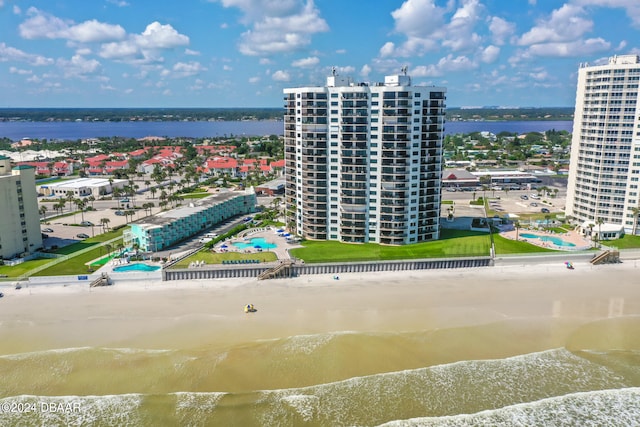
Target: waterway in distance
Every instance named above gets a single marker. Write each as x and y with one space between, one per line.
72 131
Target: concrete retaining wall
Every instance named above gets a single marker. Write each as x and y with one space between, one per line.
333 268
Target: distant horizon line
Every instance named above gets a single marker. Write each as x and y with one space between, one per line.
265 108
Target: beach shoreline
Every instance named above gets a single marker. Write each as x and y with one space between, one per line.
187 313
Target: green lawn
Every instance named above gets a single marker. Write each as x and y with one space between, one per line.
627 242
92 241
453 243
75 265
507 246
217 258
20 269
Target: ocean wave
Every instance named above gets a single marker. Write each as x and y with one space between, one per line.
461 387
120 409
614 408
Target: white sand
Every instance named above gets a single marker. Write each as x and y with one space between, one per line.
183 314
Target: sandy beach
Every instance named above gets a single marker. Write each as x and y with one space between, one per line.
168 315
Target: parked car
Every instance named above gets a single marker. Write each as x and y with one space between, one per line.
524 197
82 236
124 200
534 196
534 204
119 213
545 210
47 230
86 224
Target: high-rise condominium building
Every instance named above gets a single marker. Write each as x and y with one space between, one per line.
364 161
19 217
605 151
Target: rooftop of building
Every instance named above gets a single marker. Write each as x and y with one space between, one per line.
83 182
274 184
193 207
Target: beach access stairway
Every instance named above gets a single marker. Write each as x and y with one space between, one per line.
606 257
103 280
282 269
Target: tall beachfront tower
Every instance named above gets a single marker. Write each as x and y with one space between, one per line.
20 222
605 150
363 162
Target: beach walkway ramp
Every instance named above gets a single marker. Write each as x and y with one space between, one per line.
606 257
280 270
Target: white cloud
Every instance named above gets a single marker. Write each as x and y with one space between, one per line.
418 18
561 34
631 7
186 69
78 66
14 70
119 3
571 49
387 49
490 54
41 25
424 25
191 52
8 53
311 61
459 32
158 36
281 76
445 65
539 75
501 30
144 48
16 10
277 25
365 70
564 24
254 80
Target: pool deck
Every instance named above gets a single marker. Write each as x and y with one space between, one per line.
270 236
574 237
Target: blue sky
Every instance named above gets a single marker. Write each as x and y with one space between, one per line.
242 53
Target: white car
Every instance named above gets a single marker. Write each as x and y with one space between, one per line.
534 196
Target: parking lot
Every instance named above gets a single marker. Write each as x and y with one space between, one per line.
506 202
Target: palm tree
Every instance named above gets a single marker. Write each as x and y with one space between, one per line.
600 221
59 207
43 212
635 212
153 190
69 198
80 205
105 223
591 225
517 226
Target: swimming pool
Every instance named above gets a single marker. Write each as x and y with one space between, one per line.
256 241
555 240
136 267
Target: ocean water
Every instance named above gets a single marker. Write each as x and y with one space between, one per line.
79 130
494 374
